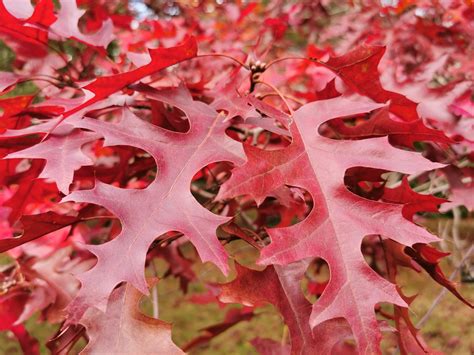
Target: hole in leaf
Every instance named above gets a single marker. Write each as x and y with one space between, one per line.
10 145
315 279
384 312
149 305
258 137
91 21
374 254
287 205
170 255
97 226
365 182
355 127
244 253
206 184
184 262
122 166
162 115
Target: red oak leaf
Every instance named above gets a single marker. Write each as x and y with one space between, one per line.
13 105
42 14
62 153
400 132
358 70
413 202
461 193
161 58
20 15
229 100
279 286
8 79
14 15
335 227
464 105
53 283
29 192
270 347
11 306
68 21
233 317
329 91
72 73
123 329
166 204
428 258
38 225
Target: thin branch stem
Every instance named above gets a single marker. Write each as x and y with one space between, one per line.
292 98
202 192
278 60
290 110
24 80
284 336
154 302
224 56
97 217
154 293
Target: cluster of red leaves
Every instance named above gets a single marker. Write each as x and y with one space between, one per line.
290 129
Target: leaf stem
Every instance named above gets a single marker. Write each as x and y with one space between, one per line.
292 98
290 110
224 56
278 60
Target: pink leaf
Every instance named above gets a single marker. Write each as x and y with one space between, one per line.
123 329
335 227
166 204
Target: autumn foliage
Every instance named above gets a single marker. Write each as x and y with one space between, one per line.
295 148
